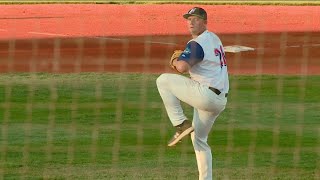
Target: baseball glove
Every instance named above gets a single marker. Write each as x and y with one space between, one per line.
174 56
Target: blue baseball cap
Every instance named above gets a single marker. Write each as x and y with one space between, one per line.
196 11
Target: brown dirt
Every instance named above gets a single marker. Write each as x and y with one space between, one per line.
141 38
296 53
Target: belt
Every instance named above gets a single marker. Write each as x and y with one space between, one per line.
217 91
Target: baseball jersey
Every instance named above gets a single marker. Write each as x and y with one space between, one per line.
207 59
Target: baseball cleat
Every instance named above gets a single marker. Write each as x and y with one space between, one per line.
182 130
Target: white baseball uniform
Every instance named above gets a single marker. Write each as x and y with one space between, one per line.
206 57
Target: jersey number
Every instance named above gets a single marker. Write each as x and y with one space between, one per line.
222 56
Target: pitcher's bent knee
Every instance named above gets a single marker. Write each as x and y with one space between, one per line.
162 79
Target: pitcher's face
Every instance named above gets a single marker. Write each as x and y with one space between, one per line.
196 25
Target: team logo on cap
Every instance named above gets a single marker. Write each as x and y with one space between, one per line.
192 10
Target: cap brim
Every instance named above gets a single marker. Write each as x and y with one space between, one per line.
188 15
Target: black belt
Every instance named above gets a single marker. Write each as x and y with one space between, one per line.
217 91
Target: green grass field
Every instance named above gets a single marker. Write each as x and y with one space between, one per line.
207 2
113 126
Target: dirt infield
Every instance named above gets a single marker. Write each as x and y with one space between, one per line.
141 38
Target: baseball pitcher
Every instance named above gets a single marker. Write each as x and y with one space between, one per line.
206 90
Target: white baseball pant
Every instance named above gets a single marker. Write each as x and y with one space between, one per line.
174 88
